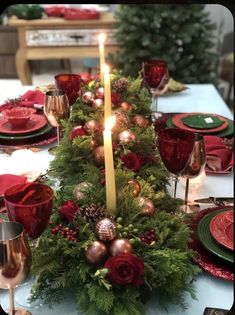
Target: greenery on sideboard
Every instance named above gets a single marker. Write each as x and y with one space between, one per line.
182 35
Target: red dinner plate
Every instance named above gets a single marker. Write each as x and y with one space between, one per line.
36 122
221 228
177 121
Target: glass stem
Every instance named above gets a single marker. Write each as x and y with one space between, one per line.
58 135
186 194
154 103
12 306
175 187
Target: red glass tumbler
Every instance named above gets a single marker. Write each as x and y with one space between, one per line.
70 84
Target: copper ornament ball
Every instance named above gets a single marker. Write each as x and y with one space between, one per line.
140 121
96 253
79 190
99 93
106 230
93 144
98 103
127 136
147 206
99 154
126 106
120 246
135 187
122 121
88 97
93 125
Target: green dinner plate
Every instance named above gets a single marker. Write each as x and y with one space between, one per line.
38 133
202 121
203 231
223 133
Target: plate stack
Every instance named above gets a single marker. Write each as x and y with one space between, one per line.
213 240
204 123
21 127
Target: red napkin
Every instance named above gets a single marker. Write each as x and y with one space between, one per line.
9 180
219 157
32 97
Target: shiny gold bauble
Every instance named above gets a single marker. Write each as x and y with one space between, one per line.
80 189
120 246
135 187
106 230
126 106
98 103
122 121
96 253
126 136
93 125
99 154
147 206
140 121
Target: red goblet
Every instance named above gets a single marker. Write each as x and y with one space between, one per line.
156 77
175 148
70 84
31 205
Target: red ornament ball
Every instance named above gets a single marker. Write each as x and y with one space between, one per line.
77 131
96 253
120 246
99 93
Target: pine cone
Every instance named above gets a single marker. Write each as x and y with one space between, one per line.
120 85
92 213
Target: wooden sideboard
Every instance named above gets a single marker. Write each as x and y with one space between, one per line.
57 38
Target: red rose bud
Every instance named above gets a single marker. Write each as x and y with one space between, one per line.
132 161
68 210
115 98
125 269
77 131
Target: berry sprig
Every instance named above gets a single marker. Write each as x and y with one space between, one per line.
66 232
148 237
129 231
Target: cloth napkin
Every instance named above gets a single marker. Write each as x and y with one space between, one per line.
219 157
28 99
9 180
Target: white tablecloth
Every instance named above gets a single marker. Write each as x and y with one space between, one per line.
211 291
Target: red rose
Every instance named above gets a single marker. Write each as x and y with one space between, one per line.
68 210
125 269
115 98
132 161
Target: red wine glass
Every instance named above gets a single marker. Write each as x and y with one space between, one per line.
155 77
175 148
31 205
70 84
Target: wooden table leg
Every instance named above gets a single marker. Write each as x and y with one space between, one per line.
23 68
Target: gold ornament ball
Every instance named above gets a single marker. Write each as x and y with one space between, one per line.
120 246
99 154
126 136
96 253
126 106
79 190
140 121
147 205
135 187
106 230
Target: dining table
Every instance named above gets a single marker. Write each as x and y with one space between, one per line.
211 291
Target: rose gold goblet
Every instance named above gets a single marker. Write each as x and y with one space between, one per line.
15 260
56 108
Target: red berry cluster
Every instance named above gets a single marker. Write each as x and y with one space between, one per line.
66 232
148 237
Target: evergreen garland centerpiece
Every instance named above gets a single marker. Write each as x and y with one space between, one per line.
113 261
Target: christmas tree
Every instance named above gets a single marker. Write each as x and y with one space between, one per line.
182 35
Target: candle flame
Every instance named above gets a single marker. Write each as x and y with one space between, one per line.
106 69
102 38
110 122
